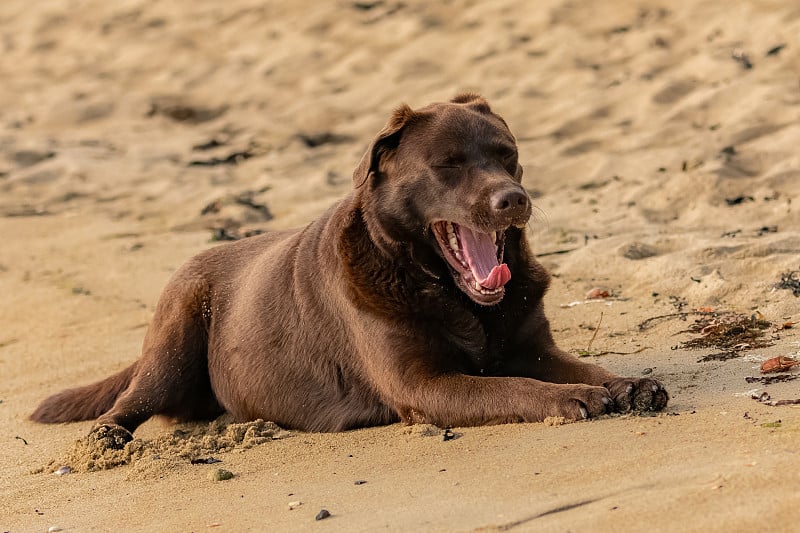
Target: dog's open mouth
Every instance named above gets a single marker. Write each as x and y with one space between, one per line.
476 260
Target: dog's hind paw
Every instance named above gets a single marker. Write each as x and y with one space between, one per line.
111 436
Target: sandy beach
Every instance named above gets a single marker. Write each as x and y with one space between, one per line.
660 142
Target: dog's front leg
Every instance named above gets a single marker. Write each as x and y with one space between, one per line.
538 357
421 388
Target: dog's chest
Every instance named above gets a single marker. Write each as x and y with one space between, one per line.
477 344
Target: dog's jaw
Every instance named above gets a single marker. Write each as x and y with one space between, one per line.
478 272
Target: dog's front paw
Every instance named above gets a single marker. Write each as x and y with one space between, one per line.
111 436
634 394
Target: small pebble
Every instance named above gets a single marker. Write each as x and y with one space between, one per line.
220 474
64 470
294 505
647 370
360 482
322 515
53 529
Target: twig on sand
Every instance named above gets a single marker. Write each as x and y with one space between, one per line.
766 400
596 329
586 353
682 315
556 252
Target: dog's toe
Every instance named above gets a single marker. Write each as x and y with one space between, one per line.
586 402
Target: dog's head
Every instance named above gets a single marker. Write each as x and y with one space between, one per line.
444 181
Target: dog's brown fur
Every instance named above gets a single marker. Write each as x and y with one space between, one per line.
357 319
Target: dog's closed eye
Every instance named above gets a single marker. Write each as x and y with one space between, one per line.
505 152
456 160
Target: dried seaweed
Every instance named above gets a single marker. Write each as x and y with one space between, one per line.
791 281
719 356
683 315
769 380
730 332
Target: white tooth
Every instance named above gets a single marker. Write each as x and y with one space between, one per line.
453 242
449 228
477 286
459 256
494 237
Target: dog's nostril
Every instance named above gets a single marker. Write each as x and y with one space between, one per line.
505 200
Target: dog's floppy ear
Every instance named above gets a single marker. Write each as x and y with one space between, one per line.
386 140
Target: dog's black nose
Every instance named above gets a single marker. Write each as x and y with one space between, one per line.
509 202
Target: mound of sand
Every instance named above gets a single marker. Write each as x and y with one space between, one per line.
186 444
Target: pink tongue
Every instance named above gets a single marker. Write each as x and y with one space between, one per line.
481 255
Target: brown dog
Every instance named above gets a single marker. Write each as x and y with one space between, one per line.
416 298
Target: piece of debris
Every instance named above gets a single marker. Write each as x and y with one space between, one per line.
63 471
608 301
719 356
739 199
775 50
763 230
322 515
678 302
448 435
23 440
597 293
234 158
588 353
594 334
769 380
791 281
294 505
778 364
205 461
742 58
765 398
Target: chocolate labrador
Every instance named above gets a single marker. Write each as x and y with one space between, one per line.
415 299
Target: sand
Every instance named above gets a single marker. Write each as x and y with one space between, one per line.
659 140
